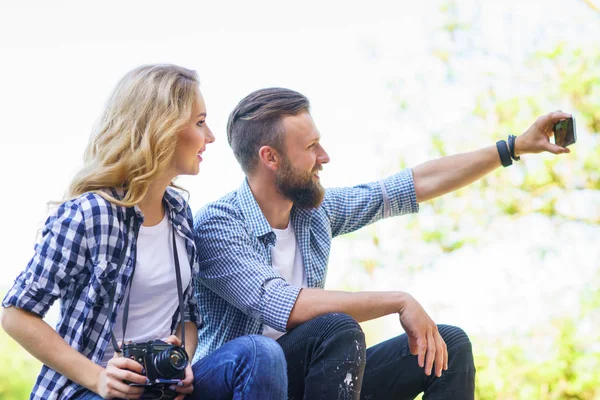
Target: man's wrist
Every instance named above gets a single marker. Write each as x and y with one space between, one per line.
518 143
401 299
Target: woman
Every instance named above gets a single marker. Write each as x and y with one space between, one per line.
123 214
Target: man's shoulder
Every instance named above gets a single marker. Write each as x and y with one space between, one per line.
224 209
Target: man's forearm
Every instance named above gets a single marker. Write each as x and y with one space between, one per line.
447 174
362 306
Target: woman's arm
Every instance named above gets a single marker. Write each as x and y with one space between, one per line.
39 339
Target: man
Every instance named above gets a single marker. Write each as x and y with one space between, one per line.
264 250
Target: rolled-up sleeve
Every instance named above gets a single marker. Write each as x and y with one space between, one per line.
399 194
59 255
352 208
233 269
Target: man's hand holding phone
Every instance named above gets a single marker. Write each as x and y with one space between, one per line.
536 139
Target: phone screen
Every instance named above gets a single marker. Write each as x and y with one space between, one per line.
564 132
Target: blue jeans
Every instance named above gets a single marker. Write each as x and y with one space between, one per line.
246 368
327 359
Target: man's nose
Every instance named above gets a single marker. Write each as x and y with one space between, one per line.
323 157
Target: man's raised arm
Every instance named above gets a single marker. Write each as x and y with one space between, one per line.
447 174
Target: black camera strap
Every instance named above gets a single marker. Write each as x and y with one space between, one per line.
126 307
179 289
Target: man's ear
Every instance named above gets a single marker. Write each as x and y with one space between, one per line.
269 157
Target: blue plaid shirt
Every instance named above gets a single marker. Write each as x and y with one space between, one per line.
76 260
239 290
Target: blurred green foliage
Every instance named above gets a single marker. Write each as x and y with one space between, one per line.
556 361
560 358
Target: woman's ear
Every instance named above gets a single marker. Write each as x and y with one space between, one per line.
269 157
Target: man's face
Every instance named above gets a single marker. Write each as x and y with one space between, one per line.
298 175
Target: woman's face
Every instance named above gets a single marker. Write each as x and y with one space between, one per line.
193 139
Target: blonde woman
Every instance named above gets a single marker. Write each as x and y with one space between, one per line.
123 214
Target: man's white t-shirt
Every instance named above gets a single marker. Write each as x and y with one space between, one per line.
153 299
287 261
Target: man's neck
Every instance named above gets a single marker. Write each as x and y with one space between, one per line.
274 206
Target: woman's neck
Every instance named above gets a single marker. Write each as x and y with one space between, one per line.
152 204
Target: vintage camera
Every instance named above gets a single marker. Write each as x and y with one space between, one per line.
164 364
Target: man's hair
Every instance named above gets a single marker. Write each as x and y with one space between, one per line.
256 122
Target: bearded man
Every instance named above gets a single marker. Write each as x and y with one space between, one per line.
264 250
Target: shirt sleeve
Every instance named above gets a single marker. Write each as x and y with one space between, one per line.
352 208
58 256
235 270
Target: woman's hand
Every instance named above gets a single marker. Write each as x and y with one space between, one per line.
186 386
111 379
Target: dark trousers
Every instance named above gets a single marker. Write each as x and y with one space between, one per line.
327 359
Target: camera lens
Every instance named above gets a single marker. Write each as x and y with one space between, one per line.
177 360
170 362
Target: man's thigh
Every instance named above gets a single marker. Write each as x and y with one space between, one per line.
325 358
84 394
215 374
248 367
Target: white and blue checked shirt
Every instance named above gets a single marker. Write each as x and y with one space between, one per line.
76 260
239 290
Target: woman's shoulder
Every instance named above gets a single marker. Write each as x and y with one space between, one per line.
89 206
91 203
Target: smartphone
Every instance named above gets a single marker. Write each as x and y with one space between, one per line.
564 132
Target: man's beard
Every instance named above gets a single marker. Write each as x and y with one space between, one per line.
299 186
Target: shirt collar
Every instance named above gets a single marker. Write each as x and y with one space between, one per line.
173 200
251 211
254 215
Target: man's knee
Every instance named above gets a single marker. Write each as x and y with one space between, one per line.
267 346
341 332
460 351
262 355
336 324
454 336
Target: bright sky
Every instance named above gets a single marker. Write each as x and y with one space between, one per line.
59 61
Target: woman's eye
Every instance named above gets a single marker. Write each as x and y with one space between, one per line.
200 123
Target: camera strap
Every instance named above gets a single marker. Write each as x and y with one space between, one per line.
126 307
179 288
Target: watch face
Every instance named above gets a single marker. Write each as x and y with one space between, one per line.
564 132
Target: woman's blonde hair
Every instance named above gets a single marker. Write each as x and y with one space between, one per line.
134 140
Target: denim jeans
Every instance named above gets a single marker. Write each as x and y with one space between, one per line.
327 359
246 368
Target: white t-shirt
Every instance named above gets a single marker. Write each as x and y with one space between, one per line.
287 261
153 299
